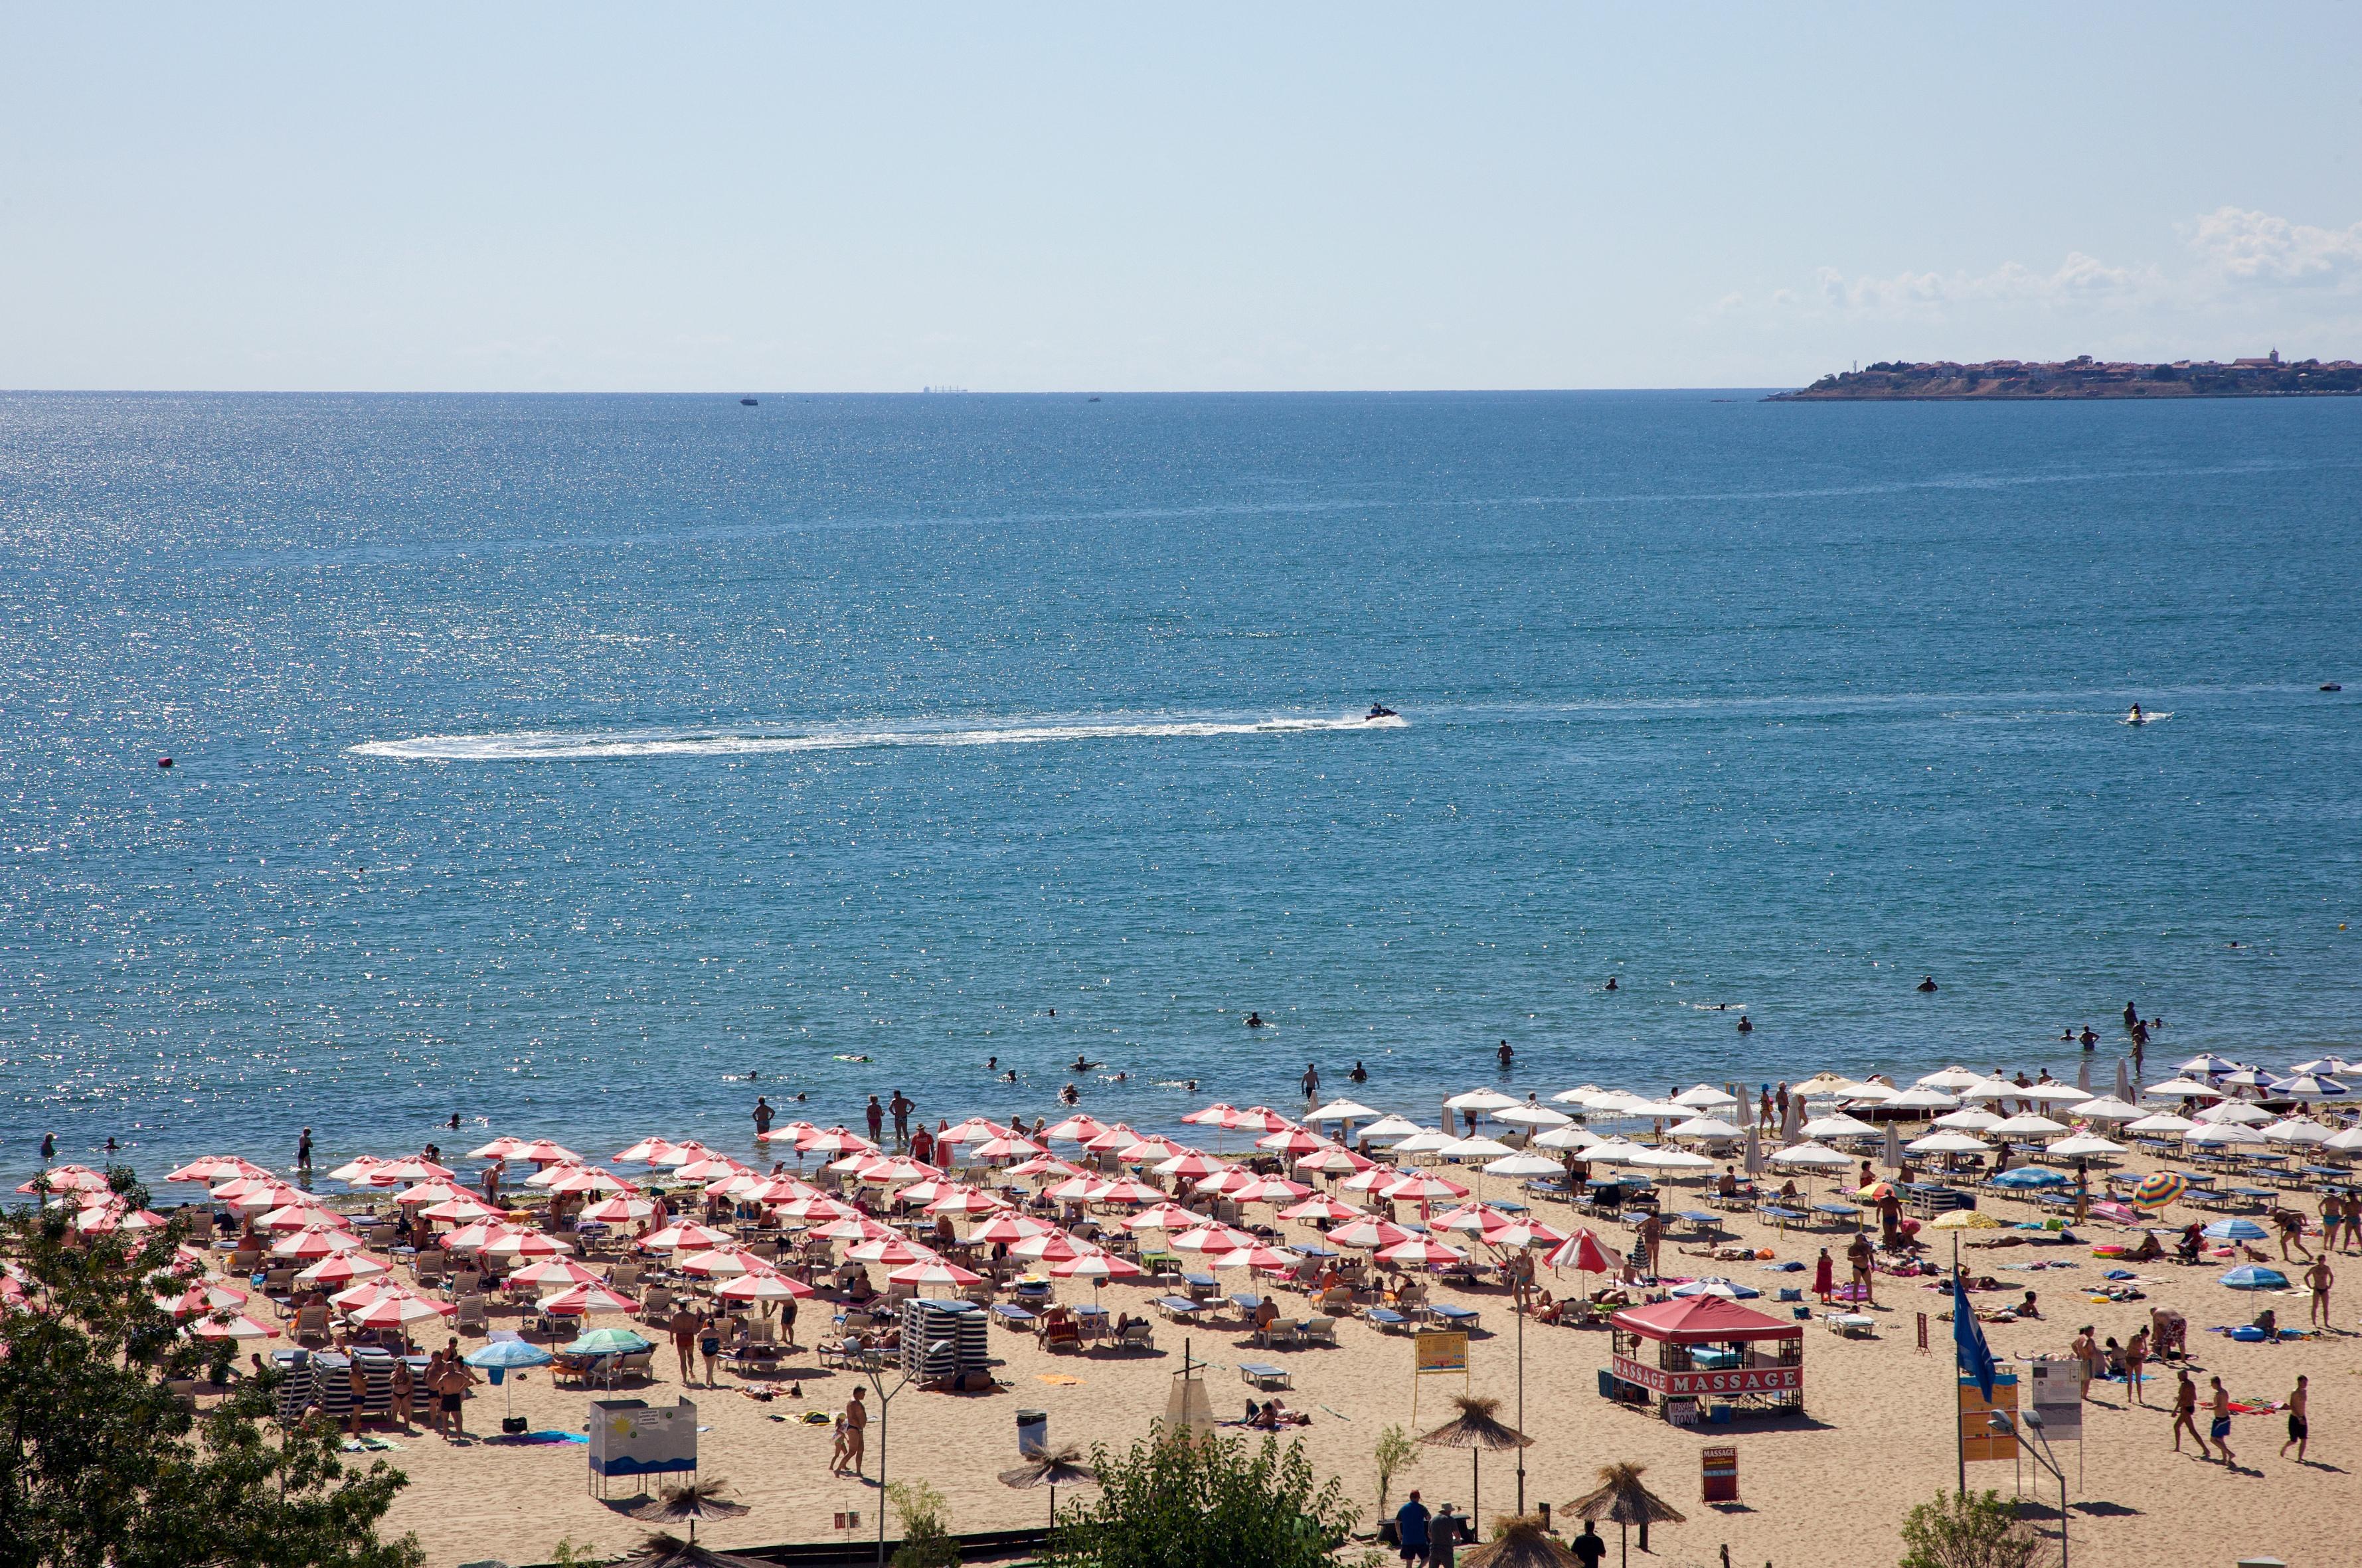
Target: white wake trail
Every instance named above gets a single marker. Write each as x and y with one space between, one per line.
601 745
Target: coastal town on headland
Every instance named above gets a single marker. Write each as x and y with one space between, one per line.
2084 377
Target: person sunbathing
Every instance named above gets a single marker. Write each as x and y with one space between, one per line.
2147 1251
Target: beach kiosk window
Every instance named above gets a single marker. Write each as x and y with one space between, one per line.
1696 1352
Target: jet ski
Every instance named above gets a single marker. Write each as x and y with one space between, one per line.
1379 710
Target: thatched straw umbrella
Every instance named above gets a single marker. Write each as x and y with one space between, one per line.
1519 1542
1623 1501
1476 1429
698 1500
1064 1468
663 1550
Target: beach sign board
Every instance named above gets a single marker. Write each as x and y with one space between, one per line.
1441 1354
632 1436
1978 1440
2057 1384
1787 1379
1718 1469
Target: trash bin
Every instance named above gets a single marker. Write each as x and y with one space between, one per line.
1032 1433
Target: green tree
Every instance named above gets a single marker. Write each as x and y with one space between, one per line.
925 1515
1971 1530
1395 1453
101 1466
1180 1501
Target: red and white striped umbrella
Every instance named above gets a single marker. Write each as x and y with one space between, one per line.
1291 1141
1124 1190
785 1189
719 1262
619 1210
416 1168
934 1271
1164 1217
315 1241
1050 1247
223 1167
502 1147
966 1200
1422 1187
1218 1114
527 1244
1370 1180
745 1184
889 1249
68 1179
110 1218
1077 1128
1192 1164
1212 1239
686 1152
1335 1160
1260 1119
345 1268
1043 1165
683 1233
818 1210
578 1179
542 1151
460 1211
392 1312
1582 1253
1007 1227
1370 1232
974 1130
711 1167
1009 1146
1321 1206
238 1326
1420 1249
207 1296
648 1151
469 1238
1271 1189
1224 1182
577 1299
1097 1266
555 1273
436 1191
1270 1260
1073 1189
1520 1234
787 1133
1150 1151
256 1192
1473 1217
899 1169
366 1292
833 1141
764 1286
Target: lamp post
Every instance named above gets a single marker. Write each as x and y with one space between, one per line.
1516 1303
2002 1423
885 1398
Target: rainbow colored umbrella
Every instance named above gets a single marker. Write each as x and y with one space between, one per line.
2159 1187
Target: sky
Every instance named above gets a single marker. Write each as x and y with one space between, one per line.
1026 198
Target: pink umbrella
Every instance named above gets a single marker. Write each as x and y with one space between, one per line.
1291 1141
974 1130
934 1271
1097 1266
1370 1232
1421 1188
1215 1115
201 1297
366 1292
1271 1189
525 1243
467 1238
68 1179
238 1326
854 1227
833 1141
966 1200
648 1151
254 1191
541 1151
1334 1160
1470 1217
1076 1189
555 1271
579 1178
902 1168
1148 1151
1124 1190
763 1287
1268 1259
711 1167
109 1219
1007 1227
458 1211
786 1133
1110 1139
785 1189
684 1233
685 1152
1009 1148
222 1167
392 1312
889 1249
1050 1247
1418 1249
577 1299
1211 1239
1581 1252
1520 1234
1260 1119
1043 1165
1164 1217
502 1147
1192 1163
1322 1207
345 1268
1224 1182
1370 1180
619 1210
315 1241
436 1191
417 1167
1077 1128
717 1261
357 1171
818 1209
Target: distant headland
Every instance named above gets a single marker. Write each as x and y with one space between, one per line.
2084 377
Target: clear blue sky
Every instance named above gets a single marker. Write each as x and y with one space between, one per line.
1012 198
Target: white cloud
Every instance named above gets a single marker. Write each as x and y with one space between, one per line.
2079 280
2242 247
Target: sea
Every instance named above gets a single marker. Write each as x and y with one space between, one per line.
584 766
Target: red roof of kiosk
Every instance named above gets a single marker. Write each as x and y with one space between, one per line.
1693 1320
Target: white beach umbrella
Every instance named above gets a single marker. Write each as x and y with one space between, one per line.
1341 1111
1614 1103
1429 1142
1657 1111
2026 1127
1704 1097
2235 1110
2054 1094
2109 1110
1523 1164
1867 1089
1837 1124
1949 1142
1582 1094
1389 1127
1952 1079
2163 1122
1612 1151
2083 1144
1820 1086
1532 1116
1567 1138
2347 1142
1814 1156
1923 1097
2181 1089
1703 1127
1670 1159
1992 1089
2225 1134
2298 1130
1482 1099
1974 1119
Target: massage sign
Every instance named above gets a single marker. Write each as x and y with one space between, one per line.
1706 1347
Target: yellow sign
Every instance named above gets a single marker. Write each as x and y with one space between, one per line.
1977 1439
1440 1353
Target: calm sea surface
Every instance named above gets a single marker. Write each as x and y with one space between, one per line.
561 762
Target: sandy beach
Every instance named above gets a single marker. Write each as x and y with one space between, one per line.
1832 1488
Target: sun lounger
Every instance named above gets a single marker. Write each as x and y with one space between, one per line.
1136 1336
1853 1325
1320 1331
1011 1316
1386 1320
1263 1375
1179 1308
1452 1317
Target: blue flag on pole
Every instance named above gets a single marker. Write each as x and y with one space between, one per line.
1969 1339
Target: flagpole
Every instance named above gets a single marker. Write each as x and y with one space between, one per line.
1960 1442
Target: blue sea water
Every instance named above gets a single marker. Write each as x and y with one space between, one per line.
561 762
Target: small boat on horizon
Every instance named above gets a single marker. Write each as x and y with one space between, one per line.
747 403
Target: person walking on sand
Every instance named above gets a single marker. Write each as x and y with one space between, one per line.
457 1379
2136 1357
857 1427
2318 1279
2219 1399
1861 1256
2185 1414
1411 1531
2291 1226
836 1449
684 1325
2082 1192
2300 1424
708 1344
1824 1277
2085 1349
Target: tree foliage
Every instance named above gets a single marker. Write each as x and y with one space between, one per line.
925 1515
101 1466
1968 1529
1395 1453
1181 1501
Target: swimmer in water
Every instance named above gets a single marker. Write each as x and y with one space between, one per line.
1255 1020
1070 1095
1611 982
1123 1077
991 1063
1928 983
1506 1055
1360 1074
1083 1064
1745 1027
1008 1077
2135 716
